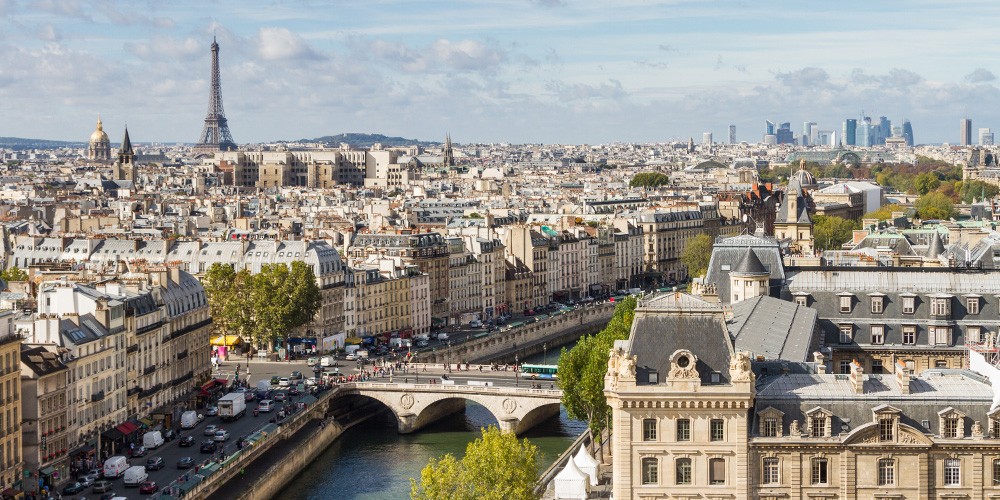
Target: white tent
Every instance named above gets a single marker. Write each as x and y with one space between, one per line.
587 464
571 482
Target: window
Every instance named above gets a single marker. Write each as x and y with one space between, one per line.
717 430
683 429
878 334
683 471
716 471
995 428
950 430
845 366
801 300
817 426
996 472
877 304
942 335
909 335
940 363
819 470
972 305
769 428
845 303
952 472
886 472
846 332
650 471
649 429
909 305
885 429
974 334
939 306
769 471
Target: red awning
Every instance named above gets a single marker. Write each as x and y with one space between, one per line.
208 385
127 428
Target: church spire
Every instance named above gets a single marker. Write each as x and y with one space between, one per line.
449 156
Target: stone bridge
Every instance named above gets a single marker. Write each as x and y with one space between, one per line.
416 405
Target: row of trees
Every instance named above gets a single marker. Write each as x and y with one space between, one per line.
649 179
582 368
262 307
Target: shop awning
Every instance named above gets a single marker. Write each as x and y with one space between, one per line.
352 340
227 340
301 340
127 428
146 421
113 434
47 471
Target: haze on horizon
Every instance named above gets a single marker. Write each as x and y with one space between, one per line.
552 71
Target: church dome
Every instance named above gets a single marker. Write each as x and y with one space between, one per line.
99 148
99 135
804 177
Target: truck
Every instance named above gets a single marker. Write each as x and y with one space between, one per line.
328 360
232 406
362 353
135 475
152 440
189 419
115 466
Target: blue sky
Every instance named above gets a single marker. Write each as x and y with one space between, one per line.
569 71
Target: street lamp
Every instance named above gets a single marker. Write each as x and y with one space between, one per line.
517 375
545 356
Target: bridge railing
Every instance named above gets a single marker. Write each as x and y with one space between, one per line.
452 388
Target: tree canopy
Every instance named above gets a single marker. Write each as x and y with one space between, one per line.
582 368
649 179
697 254
830 232
495 467
884 212
934 205
262 307
13 274
973 191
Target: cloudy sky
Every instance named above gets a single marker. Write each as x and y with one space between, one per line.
570 71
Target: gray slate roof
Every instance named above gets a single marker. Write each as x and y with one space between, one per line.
774 328
727 252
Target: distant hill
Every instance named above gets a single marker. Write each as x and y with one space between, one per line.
19 143
366 140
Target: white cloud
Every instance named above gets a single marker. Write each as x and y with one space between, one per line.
280 44
48 33
441 56
980 75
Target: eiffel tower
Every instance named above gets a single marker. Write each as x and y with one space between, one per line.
215 136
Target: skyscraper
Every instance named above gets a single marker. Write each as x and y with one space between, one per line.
784 134
907 132
850 131
768 127
863 134
884 131
807 133
706 138
966 137
985 137
732 134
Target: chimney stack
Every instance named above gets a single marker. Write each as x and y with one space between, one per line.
857 377
902 377
820 361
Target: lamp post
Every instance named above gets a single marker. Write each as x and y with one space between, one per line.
545 355
517 374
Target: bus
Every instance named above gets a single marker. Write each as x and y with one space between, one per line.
539 371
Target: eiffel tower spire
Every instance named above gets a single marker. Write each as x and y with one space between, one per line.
215 136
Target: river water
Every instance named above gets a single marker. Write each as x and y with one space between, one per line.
373 462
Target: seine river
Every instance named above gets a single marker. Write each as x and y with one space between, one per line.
371 461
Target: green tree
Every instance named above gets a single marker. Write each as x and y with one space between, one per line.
830 232
696 254
495 467
934 206
229 304
649 179
582 368
884 212
13 274
973 191
926 182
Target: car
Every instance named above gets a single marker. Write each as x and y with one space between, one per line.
89 478
212 411
422 343
351 357
169 435
312 361
265 405
274 380
296 375
138 451
284 382
74 488
208 446
154 463
210 430
148 487
310 381
187 441
109 496
102 486
185 463
249 396
221 435
279 396
293 391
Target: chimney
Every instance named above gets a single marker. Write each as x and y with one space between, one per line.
857 377
902 377
820 361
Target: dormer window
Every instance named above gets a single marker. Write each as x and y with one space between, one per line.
909 304
801 299
770 422
972 304
952 423
819 422
940 306
846 301
887 418
994 417
878 304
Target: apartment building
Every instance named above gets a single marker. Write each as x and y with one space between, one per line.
45 415
11 400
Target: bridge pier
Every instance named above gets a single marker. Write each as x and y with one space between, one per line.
410 422
509 424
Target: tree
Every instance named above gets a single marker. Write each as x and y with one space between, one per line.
696 254
884 212
973 191
495 467
926 182
582 368
830 232
13 274
649 179
934 206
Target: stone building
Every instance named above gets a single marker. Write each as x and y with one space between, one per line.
45 414
11 459
99 147
428 251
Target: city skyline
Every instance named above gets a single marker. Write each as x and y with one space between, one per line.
516 71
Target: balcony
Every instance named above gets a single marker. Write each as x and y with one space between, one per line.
149 392
133 391
183 378
149 369
97 396
149 328
191 328
132 348
183 354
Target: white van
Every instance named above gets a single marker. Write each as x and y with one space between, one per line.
135 475
115 466
326 361
422 336
442 336
152 440
189 419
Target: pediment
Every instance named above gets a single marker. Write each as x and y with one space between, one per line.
867 435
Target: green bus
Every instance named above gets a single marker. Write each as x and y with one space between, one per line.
539 371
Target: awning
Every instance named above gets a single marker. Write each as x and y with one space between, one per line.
352 340
127 428
227 340
84 450
47 471
146 421
301 340
113 434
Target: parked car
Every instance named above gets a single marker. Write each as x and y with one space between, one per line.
169 435
148 487
275 379
74 488
293 391
422 343
351 357
312 361
154 463
212 411
111 495
208 446
210 430
296 375
221 435
89 478
187 441
138 451
102 486
250 396
185 463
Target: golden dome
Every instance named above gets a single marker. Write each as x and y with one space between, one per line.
99 136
